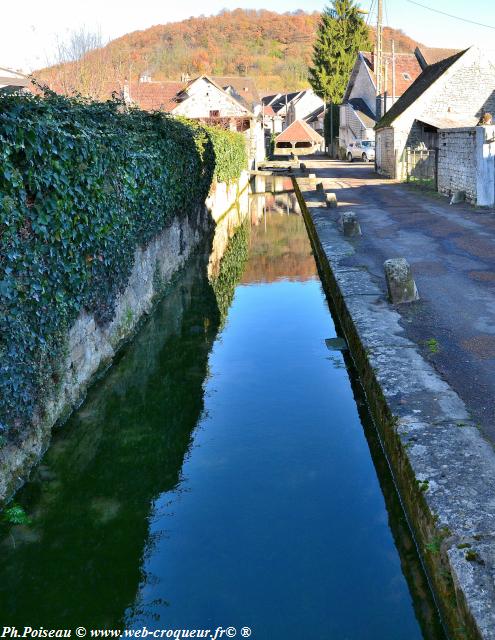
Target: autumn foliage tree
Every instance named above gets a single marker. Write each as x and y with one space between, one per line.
274 48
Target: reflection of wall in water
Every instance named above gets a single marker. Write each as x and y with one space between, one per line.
96 487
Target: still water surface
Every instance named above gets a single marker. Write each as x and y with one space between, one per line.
221 474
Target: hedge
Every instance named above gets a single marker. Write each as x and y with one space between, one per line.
82 185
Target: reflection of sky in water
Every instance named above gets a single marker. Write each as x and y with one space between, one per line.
217 479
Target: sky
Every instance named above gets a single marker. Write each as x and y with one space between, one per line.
31 27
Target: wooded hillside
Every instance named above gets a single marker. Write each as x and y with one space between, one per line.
271 47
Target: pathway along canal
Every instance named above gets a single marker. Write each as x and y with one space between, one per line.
220 474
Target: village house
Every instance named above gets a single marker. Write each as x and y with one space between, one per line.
303 105
439 114
13 80
200 98
360 107
316 119
229 102
272 122
279 102
298 139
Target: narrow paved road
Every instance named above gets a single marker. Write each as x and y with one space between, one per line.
451 250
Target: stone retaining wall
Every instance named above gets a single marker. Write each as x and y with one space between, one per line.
91 347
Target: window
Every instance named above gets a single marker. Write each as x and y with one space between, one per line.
215 114
406 76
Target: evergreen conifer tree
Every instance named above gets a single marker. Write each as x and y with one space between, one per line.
342 32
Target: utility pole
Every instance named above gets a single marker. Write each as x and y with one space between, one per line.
394 87
379 55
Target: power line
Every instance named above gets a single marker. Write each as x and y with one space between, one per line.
450 15
387 21
369 18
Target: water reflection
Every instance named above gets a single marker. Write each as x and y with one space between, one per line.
222 478
90 499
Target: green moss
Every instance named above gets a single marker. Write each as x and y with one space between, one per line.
433 345
15 515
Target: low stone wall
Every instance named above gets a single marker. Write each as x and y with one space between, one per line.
443 468
91 347
457 162
466 162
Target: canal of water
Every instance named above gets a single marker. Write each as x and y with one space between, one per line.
224 473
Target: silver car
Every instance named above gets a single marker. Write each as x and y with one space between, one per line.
361 150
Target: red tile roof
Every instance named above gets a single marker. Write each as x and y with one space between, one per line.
268 111
299 131
155 96
432 55
407 69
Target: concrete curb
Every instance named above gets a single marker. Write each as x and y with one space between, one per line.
443 468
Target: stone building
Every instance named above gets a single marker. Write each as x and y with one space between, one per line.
299 138
358 112
450 94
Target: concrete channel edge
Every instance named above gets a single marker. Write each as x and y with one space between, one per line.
443 468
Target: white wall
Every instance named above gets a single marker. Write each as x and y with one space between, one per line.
204 98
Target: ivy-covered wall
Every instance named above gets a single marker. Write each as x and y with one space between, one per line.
82 187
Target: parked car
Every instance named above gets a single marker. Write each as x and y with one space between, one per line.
361 150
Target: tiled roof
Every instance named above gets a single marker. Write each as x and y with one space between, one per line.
430 75
244 87
268 99
268 111
155 96
407 69
313 116
299 131
431 55
279 104
150 96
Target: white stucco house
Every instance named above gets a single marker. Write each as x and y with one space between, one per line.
205 99
303 105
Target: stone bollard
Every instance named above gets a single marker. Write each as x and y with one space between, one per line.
320 186
400 282
331 200
302 166
350 224
312 178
